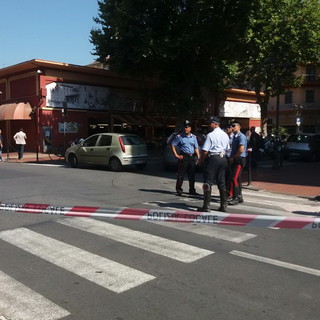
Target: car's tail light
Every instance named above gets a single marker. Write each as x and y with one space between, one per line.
123 148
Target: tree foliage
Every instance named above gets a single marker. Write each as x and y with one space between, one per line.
281 36
187 45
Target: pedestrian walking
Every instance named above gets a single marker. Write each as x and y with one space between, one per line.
237 162
20 139
213 154
1 145
188 157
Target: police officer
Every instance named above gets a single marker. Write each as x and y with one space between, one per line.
214 156
237 162
188 145
230 133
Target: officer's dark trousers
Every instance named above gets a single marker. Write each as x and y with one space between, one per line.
228 177
187 164
215 171
236 169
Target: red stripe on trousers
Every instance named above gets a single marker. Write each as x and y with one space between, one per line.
236 176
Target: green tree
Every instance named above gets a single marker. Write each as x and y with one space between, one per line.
282 35
186 45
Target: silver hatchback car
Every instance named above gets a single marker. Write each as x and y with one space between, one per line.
112 149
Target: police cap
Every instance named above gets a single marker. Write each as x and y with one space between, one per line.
187 124
214 120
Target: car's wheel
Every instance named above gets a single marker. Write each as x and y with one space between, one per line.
115 164
72 159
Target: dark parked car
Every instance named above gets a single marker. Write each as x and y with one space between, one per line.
303 145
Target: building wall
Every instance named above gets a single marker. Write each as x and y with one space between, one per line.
310 113
29 82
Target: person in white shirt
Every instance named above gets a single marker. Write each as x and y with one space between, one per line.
20 139
213 153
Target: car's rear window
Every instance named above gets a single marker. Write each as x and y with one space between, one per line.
300 138
132 140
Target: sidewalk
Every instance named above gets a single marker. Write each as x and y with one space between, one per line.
295 177
31 157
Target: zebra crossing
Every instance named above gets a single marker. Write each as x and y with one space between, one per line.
18 302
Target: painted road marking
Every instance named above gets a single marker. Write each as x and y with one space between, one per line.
19 302
209 231
278 263
102 271
162 246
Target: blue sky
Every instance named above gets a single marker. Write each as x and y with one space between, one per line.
57 30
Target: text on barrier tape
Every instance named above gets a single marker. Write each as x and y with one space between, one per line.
169 215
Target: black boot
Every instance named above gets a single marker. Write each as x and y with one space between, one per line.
206 202
223 201
233 202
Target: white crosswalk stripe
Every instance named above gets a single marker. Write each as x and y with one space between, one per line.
19 302
162 246
104 272
210 231
278 263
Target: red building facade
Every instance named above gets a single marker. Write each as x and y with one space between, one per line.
58 103
93 100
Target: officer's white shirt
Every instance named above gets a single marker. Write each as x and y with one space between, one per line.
217 141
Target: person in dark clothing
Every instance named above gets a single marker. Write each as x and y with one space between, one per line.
230 134
189 149
237 161
254 144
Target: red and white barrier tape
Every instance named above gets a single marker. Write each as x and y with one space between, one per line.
213 218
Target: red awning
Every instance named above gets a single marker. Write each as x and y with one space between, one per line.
15 111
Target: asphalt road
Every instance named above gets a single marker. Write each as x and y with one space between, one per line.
55 267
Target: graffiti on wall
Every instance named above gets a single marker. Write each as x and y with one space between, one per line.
87 97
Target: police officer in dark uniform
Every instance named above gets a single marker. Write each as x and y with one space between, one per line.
189 149
214 156
237 162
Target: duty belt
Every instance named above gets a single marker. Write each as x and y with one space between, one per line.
217 154
187 154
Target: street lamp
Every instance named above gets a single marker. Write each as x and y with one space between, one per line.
298 108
